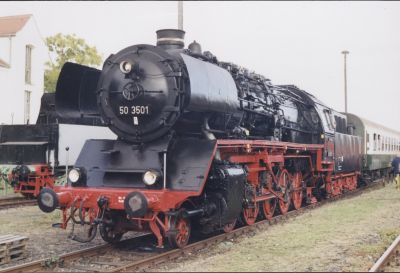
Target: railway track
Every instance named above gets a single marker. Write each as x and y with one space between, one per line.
387 257
12 202
132 254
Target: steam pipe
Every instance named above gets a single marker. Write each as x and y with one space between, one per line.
207 131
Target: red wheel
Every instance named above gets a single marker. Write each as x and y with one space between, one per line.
249 215
268 208
229 227
181 227
284 181
297 193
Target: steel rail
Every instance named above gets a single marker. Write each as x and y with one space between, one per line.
386 256
170 255
41 264
13 202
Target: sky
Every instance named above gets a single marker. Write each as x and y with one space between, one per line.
296 43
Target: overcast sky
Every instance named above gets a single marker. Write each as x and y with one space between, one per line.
296 43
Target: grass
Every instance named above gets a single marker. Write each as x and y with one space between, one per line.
6 189
28 218
386 236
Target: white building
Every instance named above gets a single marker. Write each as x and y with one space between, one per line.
22 58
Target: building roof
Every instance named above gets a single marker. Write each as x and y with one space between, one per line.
4 64
10 25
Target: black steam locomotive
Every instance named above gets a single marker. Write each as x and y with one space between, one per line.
200 142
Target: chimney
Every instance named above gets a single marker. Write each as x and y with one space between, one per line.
170 38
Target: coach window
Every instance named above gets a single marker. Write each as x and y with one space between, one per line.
367 140
385 143
374 142
379 143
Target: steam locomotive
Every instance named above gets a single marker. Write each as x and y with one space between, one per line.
202 144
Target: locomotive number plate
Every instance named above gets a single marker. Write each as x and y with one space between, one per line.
134 110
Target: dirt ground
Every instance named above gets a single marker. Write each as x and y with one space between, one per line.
44 241
347 235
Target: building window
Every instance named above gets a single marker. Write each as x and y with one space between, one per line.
27 107
28 64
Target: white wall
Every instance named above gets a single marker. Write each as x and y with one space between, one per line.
12 80
75 141
4 49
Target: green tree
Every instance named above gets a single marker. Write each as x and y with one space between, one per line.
67 48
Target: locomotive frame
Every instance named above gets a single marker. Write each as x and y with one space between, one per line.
169 209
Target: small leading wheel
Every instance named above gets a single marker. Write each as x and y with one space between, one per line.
284 183
268 208
181 228
229 227
249 215
297 193
108 233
